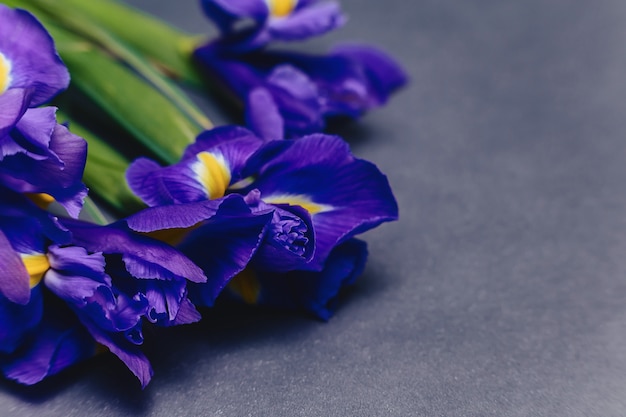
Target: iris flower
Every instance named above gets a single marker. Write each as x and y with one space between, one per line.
319 194
291 94
315 292
272 20
36 154
67 286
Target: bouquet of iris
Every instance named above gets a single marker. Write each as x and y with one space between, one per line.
265 214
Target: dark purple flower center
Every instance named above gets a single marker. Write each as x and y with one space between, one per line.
289 230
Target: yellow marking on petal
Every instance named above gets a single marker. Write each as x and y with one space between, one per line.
213 173
281 8
42 200
36 266
5 73
246 285
299 200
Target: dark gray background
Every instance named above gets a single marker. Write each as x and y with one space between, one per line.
501 292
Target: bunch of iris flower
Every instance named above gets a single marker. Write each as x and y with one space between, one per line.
239 213
289 94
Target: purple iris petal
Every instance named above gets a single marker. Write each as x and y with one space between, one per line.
14 279
33 133
114 320
13 105
180 183
352 195
57 344
175 216
75 275
156 185
79 261
314 292
250 24
142 181
115 313
293 94
187 313
226 12
383 74
297 97
306 89
59 174
220 236
17 320
351 79
234 143
30 50
144 257
263 115
224 245
164 298
78 278
307 21
121 347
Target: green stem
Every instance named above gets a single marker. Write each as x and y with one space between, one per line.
166 46
94 213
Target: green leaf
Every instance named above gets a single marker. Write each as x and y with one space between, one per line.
164 45
142 110
132 102
81 25
105 170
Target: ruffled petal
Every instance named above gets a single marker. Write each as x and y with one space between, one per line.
164 298
115 313
220 236
344 195
75 275
59 175
289 242
78 261
144 257
224 246
128 352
